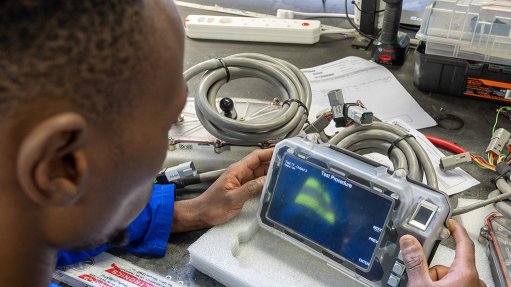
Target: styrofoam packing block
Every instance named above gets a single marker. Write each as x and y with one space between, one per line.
239 253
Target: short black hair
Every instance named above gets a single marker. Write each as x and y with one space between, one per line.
80 51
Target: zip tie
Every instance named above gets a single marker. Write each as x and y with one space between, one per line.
397 141
228 74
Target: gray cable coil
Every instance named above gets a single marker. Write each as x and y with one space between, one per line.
378 137
503 190
286 77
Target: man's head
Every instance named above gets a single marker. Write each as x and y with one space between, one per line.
88 91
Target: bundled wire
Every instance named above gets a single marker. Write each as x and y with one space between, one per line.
499 111
500 163
456 149
491 160
403 149
288 79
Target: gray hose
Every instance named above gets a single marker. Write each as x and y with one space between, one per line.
287 78
497 197
211 175
407 153
505 189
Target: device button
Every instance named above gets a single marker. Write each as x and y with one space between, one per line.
400 256
210 19
393 280
398 268
385 58
423 215
201 19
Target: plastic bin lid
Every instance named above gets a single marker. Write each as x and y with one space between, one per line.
468 29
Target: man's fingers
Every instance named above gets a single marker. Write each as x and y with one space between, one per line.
255 158
250 189
438 272
261 170
246 167
465 254
414 260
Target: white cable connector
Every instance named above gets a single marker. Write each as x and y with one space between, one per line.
455 160
285 14
289 14
498 141
337 31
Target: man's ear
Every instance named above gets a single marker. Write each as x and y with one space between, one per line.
51 162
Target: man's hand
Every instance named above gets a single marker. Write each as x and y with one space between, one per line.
224 199
462 272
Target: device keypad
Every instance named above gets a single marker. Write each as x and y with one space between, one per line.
400 256
393 280
398 268
398 272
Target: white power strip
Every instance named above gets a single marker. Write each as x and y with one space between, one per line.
253 29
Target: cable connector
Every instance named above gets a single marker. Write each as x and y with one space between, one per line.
358 114
176 173
498 141
342 112
318 125
285 14
336 100
455 160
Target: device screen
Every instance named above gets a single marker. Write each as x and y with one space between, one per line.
329 210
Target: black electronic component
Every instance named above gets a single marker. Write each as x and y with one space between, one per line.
391 47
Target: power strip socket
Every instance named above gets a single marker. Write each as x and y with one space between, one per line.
272 30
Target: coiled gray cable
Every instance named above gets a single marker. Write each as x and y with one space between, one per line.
287 78
497 197
407 153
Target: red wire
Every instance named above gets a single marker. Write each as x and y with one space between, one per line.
450 146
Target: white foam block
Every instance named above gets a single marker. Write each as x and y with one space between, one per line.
239 253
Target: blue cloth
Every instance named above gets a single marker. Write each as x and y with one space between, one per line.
54 285
148 233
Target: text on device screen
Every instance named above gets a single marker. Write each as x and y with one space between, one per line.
333 212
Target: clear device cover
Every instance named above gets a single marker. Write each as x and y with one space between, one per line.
348 211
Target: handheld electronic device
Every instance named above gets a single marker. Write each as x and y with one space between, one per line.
349 211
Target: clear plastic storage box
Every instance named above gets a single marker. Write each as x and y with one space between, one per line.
478 30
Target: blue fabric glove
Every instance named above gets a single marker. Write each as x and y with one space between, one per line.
148 233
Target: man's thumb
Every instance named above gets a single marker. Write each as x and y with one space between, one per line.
415 261
251 188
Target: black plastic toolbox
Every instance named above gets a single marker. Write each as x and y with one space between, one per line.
459 77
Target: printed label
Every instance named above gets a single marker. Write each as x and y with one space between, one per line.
488 89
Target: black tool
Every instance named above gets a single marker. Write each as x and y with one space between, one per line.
391 47
227 106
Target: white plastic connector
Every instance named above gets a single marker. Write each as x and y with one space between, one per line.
272 30
498 141
455 160
289 14
285 14
186 169
360 115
